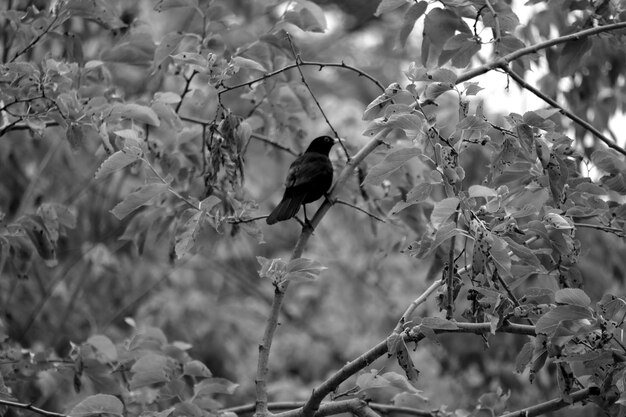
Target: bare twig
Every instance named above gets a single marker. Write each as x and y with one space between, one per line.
317 103
406 316
554 404
497 32
186 89
32 408
619 232
563 110
321 65
372 215
331 408
505 60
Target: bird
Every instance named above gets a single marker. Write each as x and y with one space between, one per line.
308 179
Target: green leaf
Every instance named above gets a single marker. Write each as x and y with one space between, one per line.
393 161
97 405
241 62
186 240
439 323
421 192
410 17
169 43
307 15
149 369
549 322
137 112
163 5
611 306
572 55
443 210
608 161
524 357
104 347
386 6
436 89
303 269
212 386
481 191
118 160
572 296
196 369
144 195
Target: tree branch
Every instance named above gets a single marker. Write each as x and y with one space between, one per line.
321 65
32 408
331 408
554 404
279 293
563 110
505 60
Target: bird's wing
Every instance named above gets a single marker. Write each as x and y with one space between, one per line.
306 168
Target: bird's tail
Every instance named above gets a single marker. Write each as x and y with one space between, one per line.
286 209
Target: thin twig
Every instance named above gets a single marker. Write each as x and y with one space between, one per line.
169 188
321 65
406 316
186 89
468 75
498 33
372 215
615 230
35 39
555 404
325 408
563 110
317 103
32 408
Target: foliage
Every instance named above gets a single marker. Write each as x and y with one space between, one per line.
140 140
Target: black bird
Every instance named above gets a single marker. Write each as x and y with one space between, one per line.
309 177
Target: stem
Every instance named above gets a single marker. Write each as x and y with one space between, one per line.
564 111
32 408
416 303
321 65
279 293
505 60
554 404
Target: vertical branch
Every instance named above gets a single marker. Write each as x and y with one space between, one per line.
497 33
261 408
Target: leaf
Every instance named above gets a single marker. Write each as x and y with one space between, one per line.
196 369
443 210
610 306
118 160
436 89
98 404
410 17
303 269
572 55
163 5
186 240
572 296
439 26
386 6
524 357
104 347
421 192
308 16
481 191
241 62
396 346
549 322
439 323
149 369
169 43
144 195
213 386
472 88
393 161
608 161
137 112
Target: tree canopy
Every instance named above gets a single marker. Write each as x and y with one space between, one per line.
467 260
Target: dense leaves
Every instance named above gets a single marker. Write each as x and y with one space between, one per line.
137 142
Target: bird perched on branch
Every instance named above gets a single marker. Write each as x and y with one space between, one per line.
309 177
